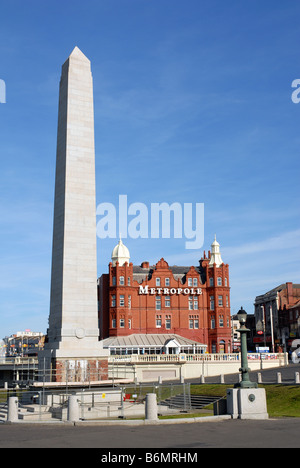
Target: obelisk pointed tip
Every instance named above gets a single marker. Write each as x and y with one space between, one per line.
78 54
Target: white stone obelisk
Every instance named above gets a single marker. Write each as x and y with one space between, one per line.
73 323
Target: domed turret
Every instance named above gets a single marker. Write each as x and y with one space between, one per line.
215 254
120 254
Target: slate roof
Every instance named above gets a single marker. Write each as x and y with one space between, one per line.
143 340
179 273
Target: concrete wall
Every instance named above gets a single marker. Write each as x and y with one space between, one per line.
177 367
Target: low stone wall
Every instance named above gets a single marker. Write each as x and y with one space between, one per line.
151 368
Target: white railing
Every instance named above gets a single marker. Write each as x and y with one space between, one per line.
135 358
230 357
18 361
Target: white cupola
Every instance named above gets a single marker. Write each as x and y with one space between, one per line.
215 254
120 254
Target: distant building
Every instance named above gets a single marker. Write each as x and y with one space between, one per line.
25 343
236 340
277 315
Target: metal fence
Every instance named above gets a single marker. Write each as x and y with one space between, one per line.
94 404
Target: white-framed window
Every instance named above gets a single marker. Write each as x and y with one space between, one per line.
113 323
212 302
129 302
212 322
190 282
219 281
226 282
194 322
157 282
158 303
211 281
221 321
122 323
167 301
167 281
220 301
122 280
195 282
113 300
129 324
191 303
196 307
168 322
158 321
122 300
128 280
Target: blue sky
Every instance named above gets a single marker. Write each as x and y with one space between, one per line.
192 105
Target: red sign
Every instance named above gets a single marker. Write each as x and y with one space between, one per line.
260 333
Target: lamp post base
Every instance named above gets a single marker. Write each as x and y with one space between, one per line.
246 384
247 403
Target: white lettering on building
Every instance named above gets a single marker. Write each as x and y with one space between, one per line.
169 292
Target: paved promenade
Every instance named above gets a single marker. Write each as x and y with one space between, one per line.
269 376
270 433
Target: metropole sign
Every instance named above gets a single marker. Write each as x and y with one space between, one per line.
170 291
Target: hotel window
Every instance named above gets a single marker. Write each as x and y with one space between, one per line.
157 281
158 321
122 323
168 322
122 280
227 301
212 322
113 300
195 303
212 303
194 322
191 303
114 281
211 281
158 303
190 282
195 282
122 301
220 301
167 301
129 302
129 324
221 321
128 282
226 282
219 281
113 323
167 281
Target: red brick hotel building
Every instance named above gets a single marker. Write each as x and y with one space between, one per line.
189 302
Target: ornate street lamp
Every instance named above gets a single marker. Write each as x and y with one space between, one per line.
245 382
